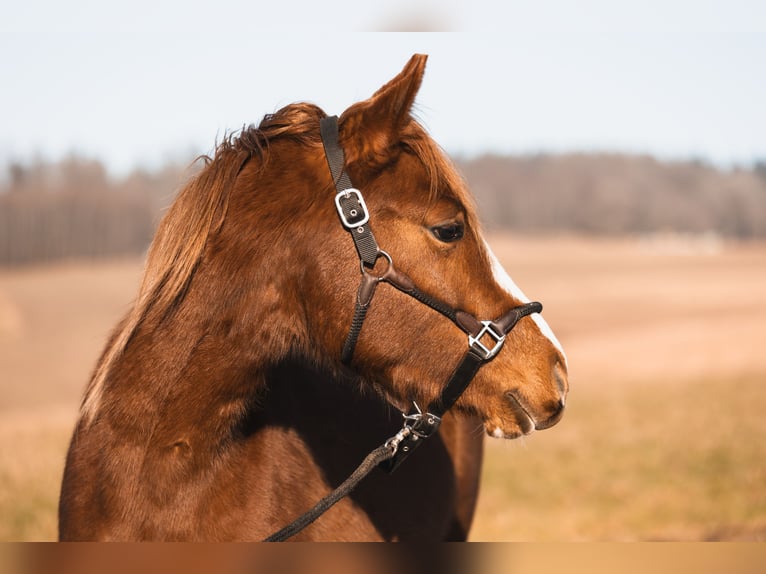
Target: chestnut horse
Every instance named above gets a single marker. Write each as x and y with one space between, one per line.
220 408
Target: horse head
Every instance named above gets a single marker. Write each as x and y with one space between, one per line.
424 218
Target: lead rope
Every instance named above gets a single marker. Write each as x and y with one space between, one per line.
417 426
381 454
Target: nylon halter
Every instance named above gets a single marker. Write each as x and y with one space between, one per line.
485 338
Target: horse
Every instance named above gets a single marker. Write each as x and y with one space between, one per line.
221 408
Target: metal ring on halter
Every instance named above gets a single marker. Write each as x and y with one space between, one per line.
380 253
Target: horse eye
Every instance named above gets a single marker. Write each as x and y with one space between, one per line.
448 233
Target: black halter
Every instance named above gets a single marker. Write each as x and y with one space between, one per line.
485 338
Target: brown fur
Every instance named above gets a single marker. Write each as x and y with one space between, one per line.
219 409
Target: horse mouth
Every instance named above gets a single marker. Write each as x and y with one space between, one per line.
523 421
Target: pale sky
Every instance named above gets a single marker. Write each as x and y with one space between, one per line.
136 83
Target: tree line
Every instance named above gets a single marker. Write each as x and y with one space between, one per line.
611 194
73 209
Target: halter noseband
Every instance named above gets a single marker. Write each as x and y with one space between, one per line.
485 338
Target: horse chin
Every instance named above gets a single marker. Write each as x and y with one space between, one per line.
507 431
520 423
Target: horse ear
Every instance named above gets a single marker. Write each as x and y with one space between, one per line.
370 129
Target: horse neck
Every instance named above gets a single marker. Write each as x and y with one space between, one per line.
203 363
239 313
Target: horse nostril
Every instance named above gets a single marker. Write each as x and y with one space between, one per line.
555 412
560 376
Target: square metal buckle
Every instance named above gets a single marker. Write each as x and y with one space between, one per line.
358 214
485 352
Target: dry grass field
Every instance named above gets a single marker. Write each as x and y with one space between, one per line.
664 436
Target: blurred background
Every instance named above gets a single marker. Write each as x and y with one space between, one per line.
618 159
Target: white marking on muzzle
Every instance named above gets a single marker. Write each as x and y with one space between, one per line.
505 281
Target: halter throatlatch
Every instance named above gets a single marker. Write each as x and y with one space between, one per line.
485 338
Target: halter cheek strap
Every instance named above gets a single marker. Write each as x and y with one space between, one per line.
348 200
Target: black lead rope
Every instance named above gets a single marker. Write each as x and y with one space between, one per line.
418 426
381 454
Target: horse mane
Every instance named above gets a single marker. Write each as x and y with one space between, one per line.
199 210
195 215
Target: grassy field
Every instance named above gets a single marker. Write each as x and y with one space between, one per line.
657 462
663 438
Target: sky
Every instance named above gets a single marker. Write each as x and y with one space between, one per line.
135 84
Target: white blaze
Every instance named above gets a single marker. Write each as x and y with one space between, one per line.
505 281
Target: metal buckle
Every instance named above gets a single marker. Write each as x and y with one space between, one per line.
357 216
484 352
